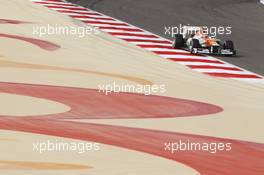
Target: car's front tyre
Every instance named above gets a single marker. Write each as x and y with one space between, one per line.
229 45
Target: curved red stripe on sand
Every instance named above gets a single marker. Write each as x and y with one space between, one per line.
9 21
46 45
89 103
245 157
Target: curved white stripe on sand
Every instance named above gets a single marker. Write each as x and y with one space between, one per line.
11 105
262 1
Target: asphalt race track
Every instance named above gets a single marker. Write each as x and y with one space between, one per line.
247 27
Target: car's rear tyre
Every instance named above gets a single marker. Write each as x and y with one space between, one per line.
229 45
178 41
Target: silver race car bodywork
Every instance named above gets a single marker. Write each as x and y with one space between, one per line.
196 41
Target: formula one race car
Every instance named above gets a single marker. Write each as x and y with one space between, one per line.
195 40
